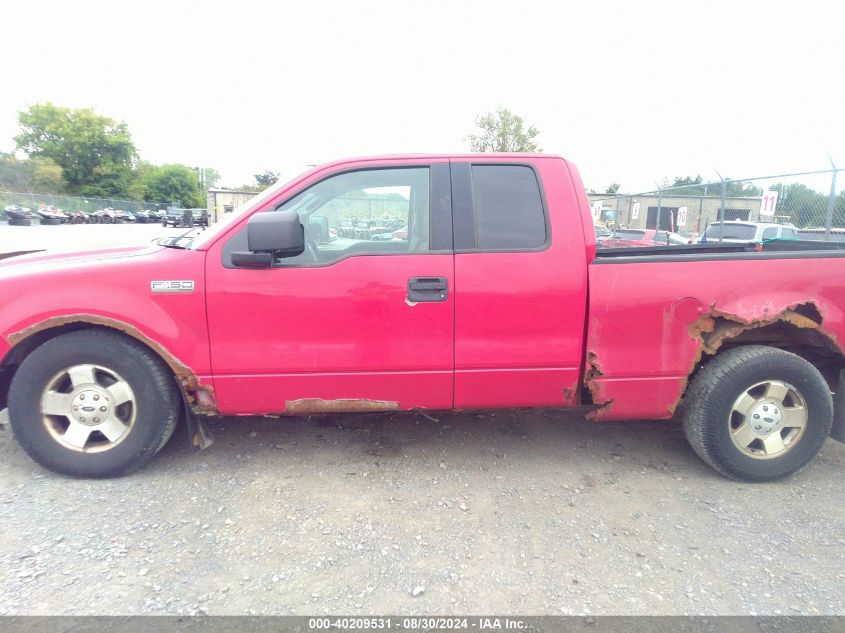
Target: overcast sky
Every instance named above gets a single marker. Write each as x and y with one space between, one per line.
630 91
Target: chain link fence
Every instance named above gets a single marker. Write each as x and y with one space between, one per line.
803 205
73 203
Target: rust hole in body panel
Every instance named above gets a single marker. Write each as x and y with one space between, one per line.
305 406
795 328
594 388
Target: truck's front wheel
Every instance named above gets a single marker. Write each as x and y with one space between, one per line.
757 413
92 403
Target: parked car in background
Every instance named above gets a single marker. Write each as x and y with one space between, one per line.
346 228
172 217
180 217
626 238
382 236
602 233
737 231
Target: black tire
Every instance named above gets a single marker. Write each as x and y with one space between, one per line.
708 403
19 222
157 402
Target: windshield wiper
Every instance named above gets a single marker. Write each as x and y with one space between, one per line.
180 241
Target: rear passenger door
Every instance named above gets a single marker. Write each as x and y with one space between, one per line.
520 284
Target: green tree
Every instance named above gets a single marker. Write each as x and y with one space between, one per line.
172 183
805 206
503 131
695 186
613 188
137 189
266 179
96 153
40 175
208 178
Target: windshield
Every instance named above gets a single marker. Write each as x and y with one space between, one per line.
222 224
731 232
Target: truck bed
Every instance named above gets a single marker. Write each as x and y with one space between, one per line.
691 252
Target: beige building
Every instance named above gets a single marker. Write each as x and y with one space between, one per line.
222 201
667 212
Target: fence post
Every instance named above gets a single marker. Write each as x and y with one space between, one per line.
831 201
722 210
618 209
659 212
697 230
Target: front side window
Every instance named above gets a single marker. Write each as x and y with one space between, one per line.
508 208
368 212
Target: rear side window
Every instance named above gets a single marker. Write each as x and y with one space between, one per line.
508 208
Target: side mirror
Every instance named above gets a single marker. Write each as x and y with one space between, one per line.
278 232
271 234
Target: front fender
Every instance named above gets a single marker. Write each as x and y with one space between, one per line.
55 293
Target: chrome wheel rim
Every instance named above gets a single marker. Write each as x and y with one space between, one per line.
768 419
88 408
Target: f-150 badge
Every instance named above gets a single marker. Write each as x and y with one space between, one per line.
172 286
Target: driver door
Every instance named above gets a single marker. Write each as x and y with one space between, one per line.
362 320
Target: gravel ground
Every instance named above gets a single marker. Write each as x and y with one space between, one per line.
528 512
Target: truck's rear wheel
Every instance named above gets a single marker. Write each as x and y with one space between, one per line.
757 413
92 403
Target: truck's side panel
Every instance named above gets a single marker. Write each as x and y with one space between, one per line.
519 315
651 322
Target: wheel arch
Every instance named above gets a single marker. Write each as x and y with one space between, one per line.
199 397
797 330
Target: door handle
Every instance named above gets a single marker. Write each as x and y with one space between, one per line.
427 289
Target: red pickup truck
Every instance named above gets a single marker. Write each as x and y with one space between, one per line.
493 295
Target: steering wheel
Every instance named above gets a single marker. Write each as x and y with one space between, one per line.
311 254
